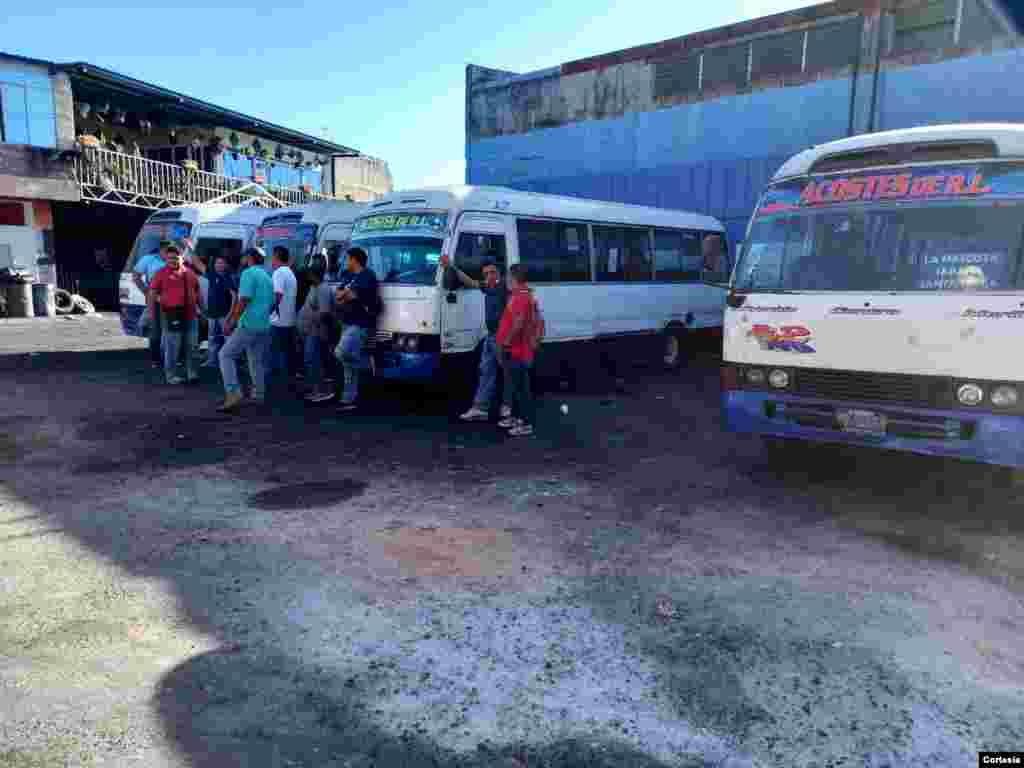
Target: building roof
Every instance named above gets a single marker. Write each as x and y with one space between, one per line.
93 84
1007 137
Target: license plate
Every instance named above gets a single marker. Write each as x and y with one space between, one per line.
862 422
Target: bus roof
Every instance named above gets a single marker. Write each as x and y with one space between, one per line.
203 213
511 201
326 211
1007 137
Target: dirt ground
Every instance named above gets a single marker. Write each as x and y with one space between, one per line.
631 587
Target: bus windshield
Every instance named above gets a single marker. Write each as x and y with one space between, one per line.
149 239
299 239
403 260
819 240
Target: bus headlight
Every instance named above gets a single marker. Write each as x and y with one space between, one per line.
1004 396
778 379
755 376
412 343
970 394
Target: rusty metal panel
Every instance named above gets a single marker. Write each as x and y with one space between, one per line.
676 77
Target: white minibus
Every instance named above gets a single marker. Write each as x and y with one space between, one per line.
878 298
601 271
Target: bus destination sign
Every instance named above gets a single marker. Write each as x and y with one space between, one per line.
392 222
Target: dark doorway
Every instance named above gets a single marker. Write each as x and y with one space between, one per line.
92 241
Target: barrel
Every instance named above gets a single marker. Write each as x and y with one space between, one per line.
44 299
19 300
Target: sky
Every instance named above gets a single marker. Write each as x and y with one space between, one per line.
381 77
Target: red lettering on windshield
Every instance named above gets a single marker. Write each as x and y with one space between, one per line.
977 186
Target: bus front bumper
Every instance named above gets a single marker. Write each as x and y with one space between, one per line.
973 435
407 366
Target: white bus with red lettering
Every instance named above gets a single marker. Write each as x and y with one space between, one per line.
878 298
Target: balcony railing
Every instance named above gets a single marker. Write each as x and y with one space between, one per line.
121 179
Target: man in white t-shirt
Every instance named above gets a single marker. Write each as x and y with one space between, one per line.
283 316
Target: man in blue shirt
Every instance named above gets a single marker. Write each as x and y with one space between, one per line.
220 296
145 271
358 303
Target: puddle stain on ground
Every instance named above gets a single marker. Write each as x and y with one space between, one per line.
307 495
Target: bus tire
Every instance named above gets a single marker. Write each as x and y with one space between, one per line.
674 341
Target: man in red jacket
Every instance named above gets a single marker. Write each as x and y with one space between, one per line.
517 335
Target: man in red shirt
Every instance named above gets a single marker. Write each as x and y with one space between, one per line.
177 290
518 335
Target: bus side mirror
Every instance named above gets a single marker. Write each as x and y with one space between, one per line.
450 280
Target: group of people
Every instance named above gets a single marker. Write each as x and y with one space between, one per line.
256 315
260 315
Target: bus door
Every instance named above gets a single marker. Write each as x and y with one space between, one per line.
480 237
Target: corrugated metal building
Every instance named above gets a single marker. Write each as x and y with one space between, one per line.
702 122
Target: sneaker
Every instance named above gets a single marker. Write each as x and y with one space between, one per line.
175 380
521 430
508 423
231 402
474 414
506 411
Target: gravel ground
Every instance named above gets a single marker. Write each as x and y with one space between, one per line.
630 588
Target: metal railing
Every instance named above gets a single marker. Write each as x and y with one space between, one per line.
114 177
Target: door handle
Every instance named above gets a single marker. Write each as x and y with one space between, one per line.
452 298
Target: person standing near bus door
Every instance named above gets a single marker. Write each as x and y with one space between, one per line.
359 302
251 337
519 334
713 250
145 271
282 318
495 299
220 296
176 289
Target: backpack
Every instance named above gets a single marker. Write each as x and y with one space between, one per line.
534 328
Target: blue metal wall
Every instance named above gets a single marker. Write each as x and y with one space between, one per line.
716 156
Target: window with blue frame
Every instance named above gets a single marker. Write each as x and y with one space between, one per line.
27 112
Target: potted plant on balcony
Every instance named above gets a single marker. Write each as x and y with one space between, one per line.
190 166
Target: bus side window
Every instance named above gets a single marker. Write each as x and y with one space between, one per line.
473 249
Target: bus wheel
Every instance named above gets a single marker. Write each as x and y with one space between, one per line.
673 349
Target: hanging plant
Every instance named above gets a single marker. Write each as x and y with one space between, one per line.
247 151
257 146
233 140
264 153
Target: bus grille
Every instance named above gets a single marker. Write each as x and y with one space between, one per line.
922 391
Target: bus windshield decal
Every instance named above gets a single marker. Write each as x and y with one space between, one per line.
893 187
942 183
434 223
304 233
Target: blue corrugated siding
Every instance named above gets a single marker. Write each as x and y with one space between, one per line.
715 157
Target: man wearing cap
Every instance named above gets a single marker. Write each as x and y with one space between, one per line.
248 331
145 271
176 289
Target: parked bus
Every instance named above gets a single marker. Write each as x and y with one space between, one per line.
878 296
601 271
214 228
308 232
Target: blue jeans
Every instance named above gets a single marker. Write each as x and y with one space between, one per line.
312 347
517 390
255 345
173 343
215 338
489 371
350 353
282 351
